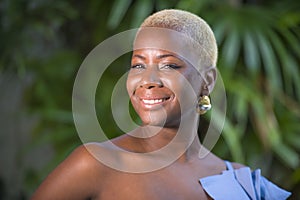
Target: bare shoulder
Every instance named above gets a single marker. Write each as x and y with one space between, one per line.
82 156
237 165
81 160
72 178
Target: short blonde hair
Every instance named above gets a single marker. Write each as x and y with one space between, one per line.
191 25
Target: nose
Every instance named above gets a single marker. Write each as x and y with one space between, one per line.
151 79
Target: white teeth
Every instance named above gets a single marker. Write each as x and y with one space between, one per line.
152 101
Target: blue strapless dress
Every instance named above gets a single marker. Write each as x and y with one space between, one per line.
241 184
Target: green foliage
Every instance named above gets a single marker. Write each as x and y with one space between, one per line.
259 64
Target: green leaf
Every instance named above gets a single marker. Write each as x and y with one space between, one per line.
292 40
294 138
240 109
160 5
220 31
269 61
231 136
231 48
141 10
117 13
252 59
290 71
193 6
289 156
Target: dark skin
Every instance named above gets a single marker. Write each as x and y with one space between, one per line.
154 88
81 176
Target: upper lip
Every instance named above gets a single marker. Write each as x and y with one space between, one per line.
153 97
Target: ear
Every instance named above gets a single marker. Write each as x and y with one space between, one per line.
210 77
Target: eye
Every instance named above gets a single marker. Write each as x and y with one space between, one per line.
138 66
170 66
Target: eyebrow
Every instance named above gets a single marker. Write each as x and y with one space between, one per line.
166 55
139 56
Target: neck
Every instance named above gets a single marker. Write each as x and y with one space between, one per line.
150 148
182 140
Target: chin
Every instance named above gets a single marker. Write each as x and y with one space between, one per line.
153 122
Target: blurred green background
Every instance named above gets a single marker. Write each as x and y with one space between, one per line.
43 43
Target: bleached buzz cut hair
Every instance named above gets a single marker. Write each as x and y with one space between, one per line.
191 25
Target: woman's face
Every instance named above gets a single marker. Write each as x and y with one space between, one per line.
158 87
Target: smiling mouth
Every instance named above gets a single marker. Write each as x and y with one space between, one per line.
154 101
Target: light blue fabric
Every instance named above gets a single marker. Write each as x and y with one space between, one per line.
241 184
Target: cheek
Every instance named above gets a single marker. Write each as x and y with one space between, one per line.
187 89
128 87
188 83
196 83
131 84
194 78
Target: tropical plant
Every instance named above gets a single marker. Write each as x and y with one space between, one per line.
259 64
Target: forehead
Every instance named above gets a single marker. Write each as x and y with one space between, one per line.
166 40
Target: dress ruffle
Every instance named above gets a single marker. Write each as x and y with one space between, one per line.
242 184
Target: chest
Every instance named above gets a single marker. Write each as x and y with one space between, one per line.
153 186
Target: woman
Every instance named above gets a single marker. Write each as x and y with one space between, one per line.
172 73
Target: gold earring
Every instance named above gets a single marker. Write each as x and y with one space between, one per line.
203 105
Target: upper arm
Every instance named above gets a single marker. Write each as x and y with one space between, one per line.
72 179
